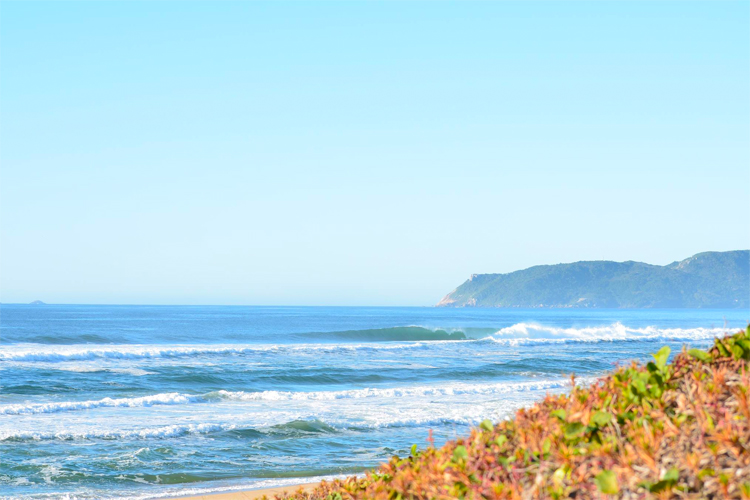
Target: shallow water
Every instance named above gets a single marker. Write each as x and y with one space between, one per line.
150 401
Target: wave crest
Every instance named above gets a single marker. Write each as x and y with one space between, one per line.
411 337
394 334
174 398
46 354
534 332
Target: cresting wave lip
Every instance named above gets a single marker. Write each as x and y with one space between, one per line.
382 334
517 333
86 352
392 334
536 333
304 425
166 431
63 406
400 392
174 398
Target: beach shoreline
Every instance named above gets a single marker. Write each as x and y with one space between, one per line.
202 413
248 494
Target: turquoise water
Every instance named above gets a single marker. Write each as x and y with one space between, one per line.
148 402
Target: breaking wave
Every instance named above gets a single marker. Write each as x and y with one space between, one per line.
62 406
533 332
394 334
167 431
297 426
174 398
47 354
374 339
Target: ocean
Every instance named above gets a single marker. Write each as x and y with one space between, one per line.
158 401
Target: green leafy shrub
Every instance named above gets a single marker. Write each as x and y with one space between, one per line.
679 430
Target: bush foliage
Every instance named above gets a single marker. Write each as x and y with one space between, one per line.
663 430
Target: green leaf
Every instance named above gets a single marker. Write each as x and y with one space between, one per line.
601 418
705 473
737 352
487 425
560 414
709 420
672 474
722 349
662 356
656 487
546 445
573 430
639 386
559 476
414 450
667 482
700 355
500 440
460 453
606 481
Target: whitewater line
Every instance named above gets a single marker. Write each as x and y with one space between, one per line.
516 334
174 398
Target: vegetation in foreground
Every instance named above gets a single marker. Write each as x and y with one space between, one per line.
679 430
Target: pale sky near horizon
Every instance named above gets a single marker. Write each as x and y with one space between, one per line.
361 153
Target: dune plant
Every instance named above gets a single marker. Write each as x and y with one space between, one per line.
661 430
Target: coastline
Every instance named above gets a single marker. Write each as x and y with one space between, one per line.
326 417
249 494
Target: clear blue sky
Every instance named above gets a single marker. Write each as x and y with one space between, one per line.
361 153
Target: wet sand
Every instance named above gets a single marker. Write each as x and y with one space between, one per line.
250 494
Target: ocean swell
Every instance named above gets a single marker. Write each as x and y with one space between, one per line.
536 333
63 406
297 426
42 353
394 334
174 398
412 337
162 432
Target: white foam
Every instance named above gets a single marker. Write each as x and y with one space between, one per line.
346 411
533 332
54 407
87 352
167 431
517 333
174 398
399 419
398 392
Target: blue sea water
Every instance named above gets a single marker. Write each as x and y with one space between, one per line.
157 401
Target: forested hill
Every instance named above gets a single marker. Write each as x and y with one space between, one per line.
705 280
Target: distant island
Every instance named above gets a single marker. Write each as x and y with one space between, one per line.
705 280
37 303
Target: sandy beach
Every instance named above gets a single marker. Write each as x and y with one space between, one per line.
250 494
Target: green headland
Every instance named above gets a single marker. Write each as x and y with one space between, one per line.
705 280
